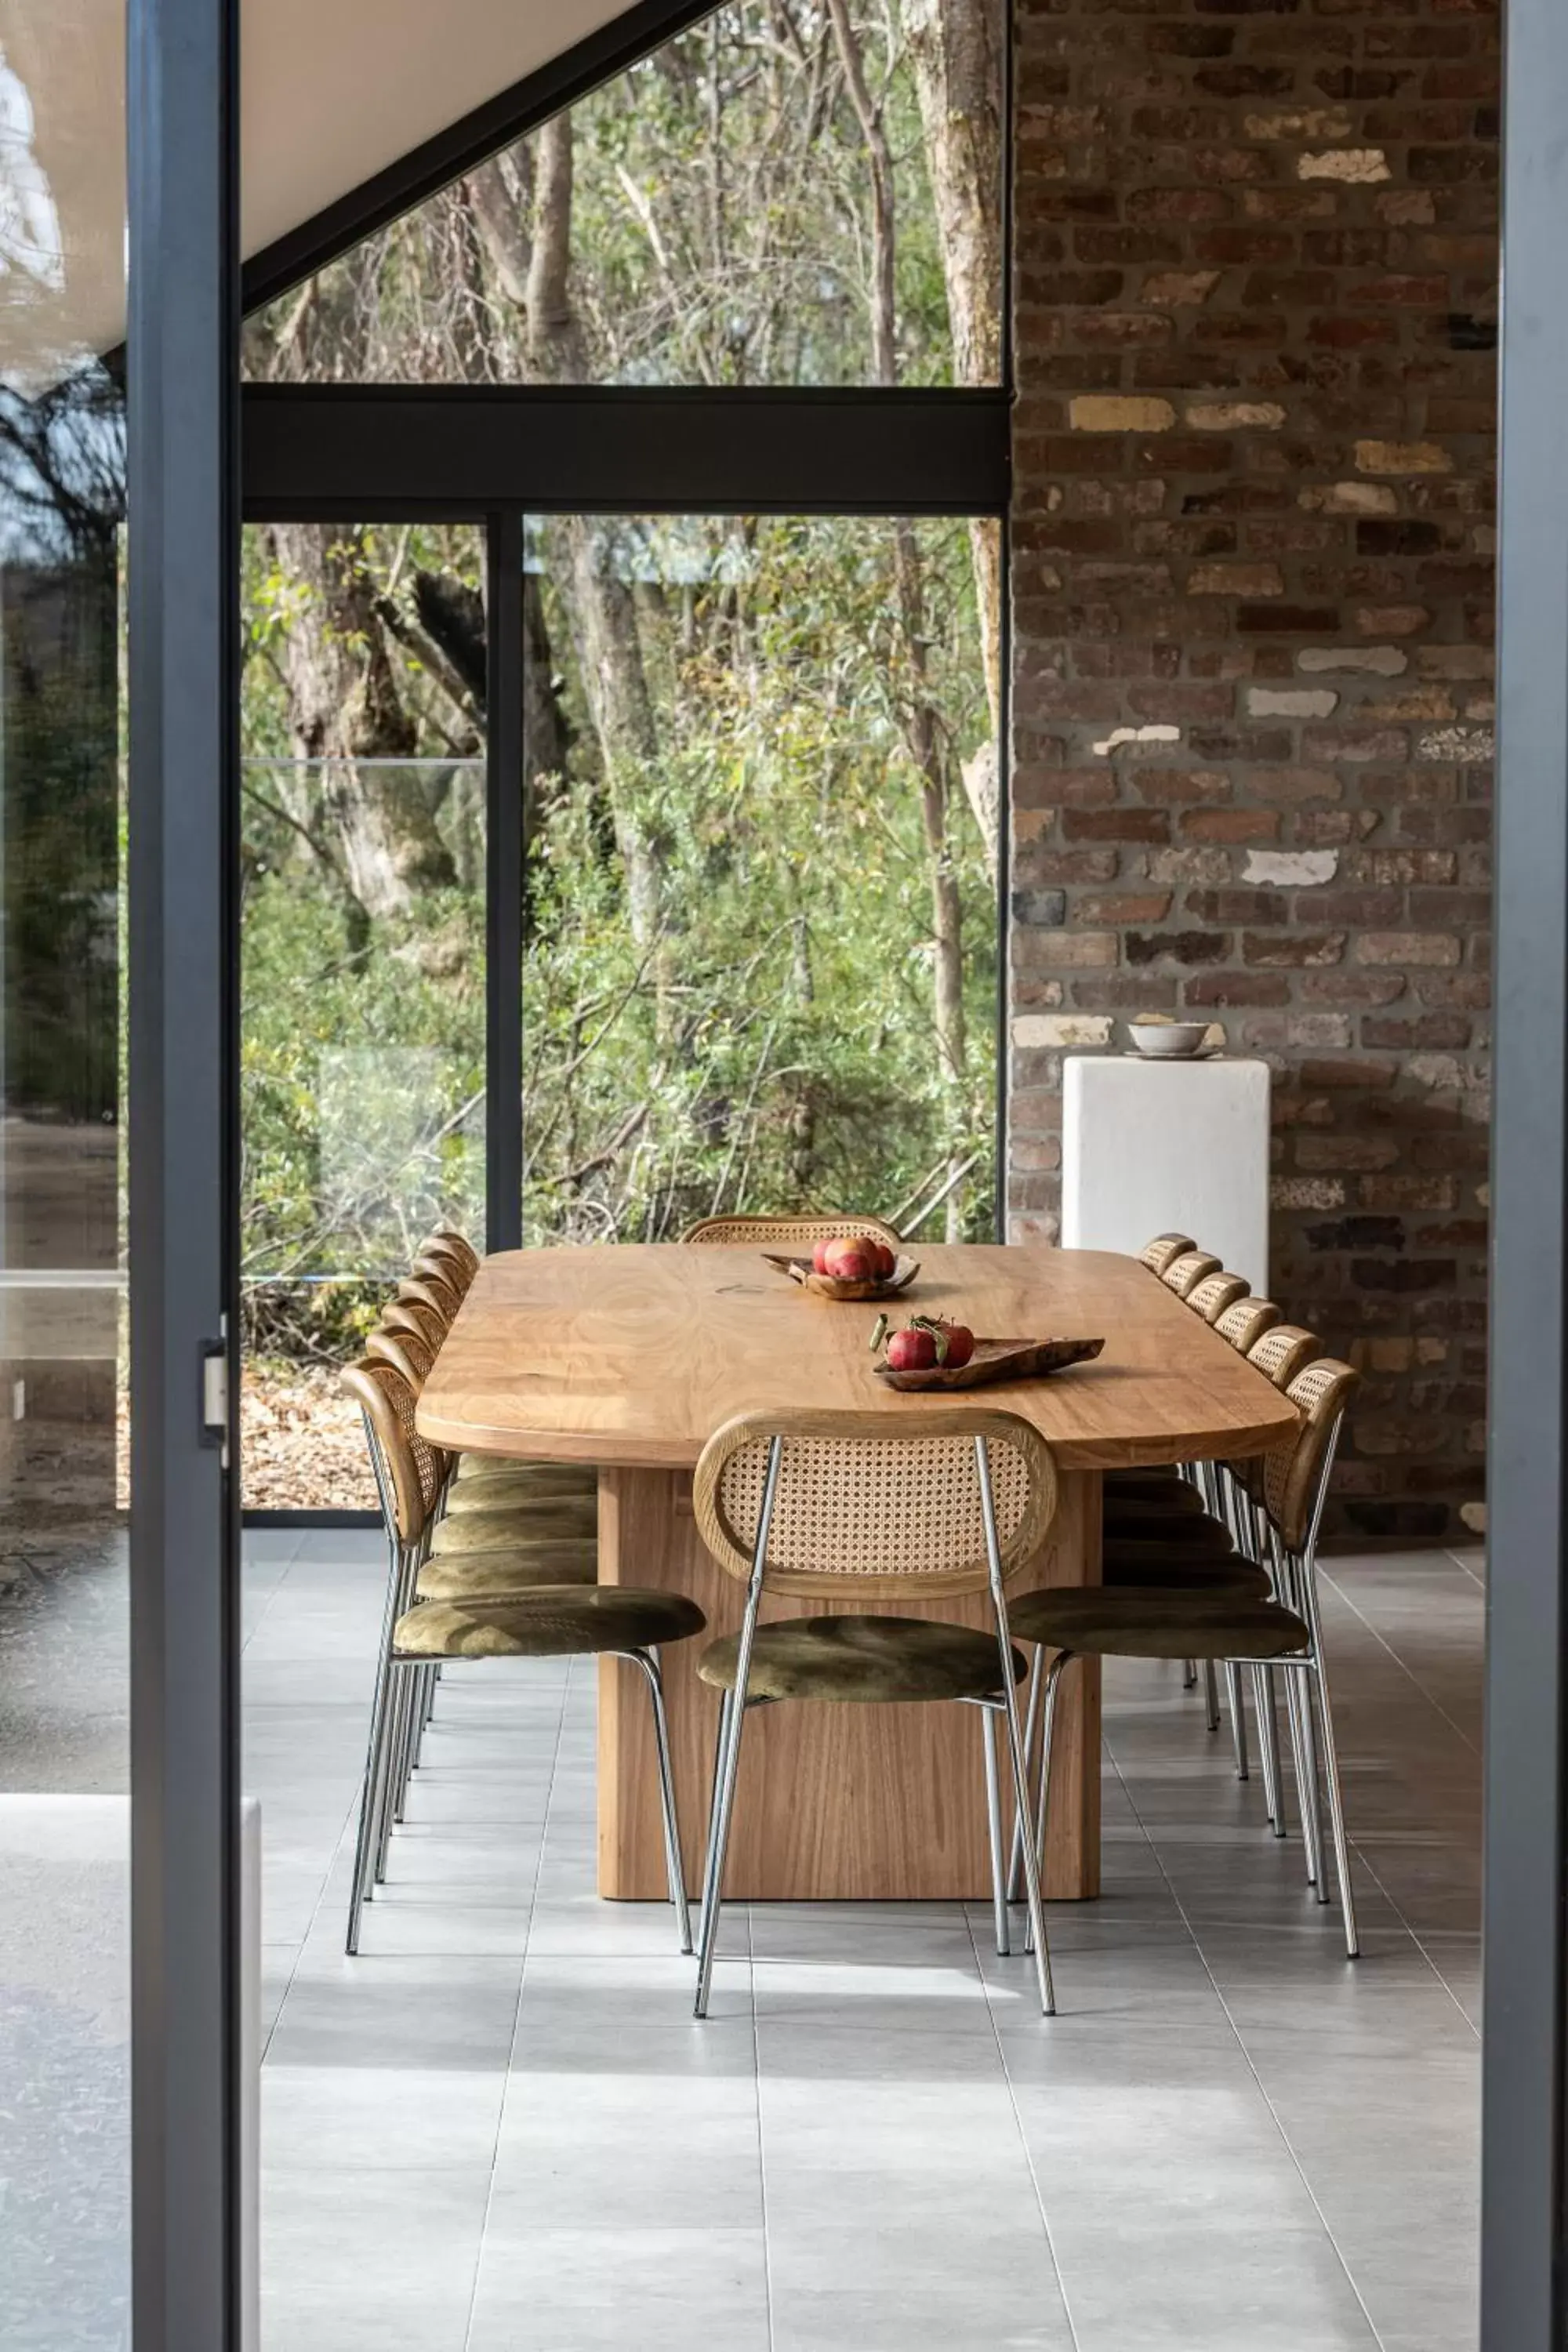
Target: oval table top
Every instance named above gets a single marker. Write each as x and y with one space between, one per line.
632 1354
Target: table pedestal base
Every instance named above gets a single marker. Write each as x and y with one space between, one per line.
834 1803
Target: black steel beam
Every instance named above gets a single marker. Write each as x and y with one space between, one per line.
1522 2167
184 543
385 452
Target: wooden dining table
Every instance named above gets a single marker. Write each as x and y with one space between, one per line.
630 1356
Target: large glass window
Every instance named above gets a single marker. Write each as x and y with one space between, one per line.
362 943
784 194
64 2070
761 961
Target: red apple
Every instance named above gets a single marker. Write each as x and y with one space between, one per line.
849 1261
886 1260
913 1351
819 1257
960 1345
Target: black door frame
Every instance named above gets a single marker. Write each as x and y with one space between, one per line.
183 551
1522 2185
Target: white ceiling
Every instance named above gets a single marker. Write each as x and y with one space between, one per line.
332 92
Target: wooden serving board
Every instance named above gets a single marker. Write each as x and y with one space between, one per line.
800 1269
998 1359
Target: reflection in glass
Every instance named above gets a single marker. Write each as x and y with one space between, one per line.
64 2072
362 1068
761 969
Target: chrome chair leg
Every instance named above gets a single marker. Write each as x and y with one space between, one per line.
1015 1860
993 1823
1297 1682
1336 1808
731 1728
675 1868
1210 1695
1189 1673
1238 1718
1269 1745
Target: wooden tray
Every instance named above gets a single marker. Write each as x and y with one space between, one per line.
998 1359
799 1269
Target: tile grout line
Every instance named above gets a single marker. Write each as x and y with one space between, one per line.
1385 1644
1024 2139
516 2008
1476 1576
1247 2057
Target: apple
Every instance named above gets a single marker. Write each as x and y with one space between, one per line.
913 1351
960 1345
819 1257
849 1261
886 1260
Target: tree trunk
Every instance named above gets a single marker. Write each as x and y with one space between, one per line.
345 714
922 724
956 49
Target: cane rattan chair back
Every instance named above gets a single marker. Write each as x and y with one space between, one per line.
449 1238
431 1290
1163 1250
1293 1475
425 1323
1215 1292
1284 1350
436 1259
788 1232
1245 1323
406 1352
411 1467
1185 1273
862 1510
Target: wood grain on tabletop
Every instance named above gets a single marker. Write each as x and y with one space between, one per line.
634 1353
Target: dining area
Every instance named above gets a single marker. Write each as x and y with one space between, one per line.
670 1457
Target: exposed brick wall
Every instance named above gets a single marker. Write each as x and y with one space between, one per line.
1255 308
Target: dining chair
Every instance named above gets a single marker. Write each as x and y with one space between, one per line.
457 1244
1245 1322
480 1482
534 1598
1163 1249
434 1291
1185 1273
1215 1292
785 1232
436 1257
428 1323
841 1507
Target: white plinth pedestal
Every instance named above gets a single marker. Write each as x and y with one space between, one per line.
1167 1147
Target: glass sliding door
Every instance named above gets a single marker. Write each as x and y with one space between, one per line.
363 851
64 2120
761 961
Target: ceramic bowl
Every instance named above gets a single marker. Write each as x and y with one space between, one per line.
1168 1041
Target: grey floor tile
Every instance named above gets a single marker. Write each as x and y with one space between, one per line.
590 2290
369 2260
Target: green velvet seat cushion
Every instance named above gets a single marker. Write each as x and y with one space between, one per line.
862 1658
469 1575
1142 1624
559 1621
475 1471
1176 1574
510 1524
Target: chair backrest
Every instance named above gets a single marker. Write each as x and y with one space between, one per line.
457 1244
406 1352
1185 1273
864 1510
1284 1350
436 1258
1245 1323
1215 1292
426 1323
1158 1254
785 1232
1294 1475
432 1290
412 1470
